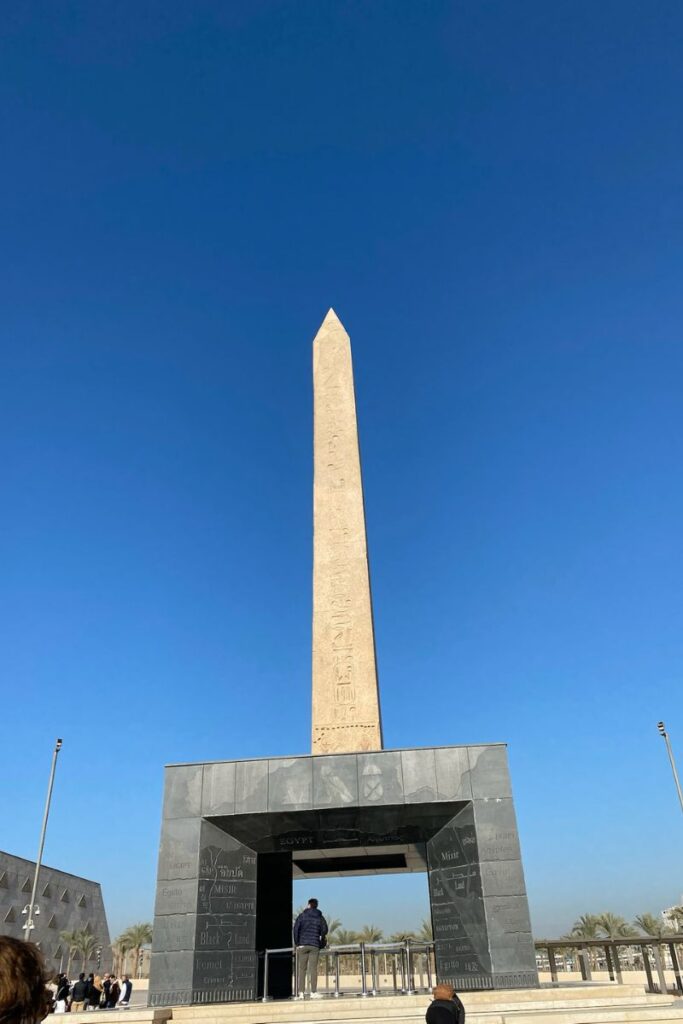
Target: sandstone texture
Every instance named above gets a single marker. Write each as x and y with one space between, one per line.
346 712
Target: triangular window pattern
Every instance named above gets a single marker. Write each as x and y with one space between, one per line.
82 902
10 915
26 887
47 891
58 952
52 923
65 897
88 927
3 881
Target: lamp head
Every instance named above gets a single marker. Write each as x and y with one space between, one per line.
662 730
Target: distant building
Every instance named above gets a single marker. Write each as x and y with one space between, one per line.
672 918
64 902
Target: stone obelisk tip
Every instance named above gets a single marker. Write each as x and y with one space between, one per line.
331 322
346 714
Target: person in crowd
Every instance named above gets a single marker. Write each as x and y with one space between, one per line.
310 936
126 989
79 994
52 990
88 989
95 995
62 994
106 986
24 996
114 993
445 1008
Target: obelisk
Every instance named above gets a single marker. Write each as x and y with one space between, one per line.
346 713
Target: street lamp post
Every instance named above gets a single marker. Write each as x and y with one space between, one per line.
662 732
31 908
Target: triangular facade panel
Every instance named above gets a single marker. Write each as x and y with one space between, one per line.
3 881
47 891
82 902
52 923
26 887
65 897
10 915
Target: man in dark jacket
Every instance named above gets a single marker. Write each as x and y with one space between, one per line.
79 993
63 990
310 930
114 993
446 1008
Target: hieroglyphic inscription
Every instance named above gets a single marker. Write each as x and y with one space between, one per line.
345 696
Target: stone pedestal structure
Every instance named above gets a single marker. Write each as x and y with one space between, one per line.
235 833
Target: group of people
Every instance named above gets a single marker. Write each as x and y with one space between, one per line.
26 998
91 993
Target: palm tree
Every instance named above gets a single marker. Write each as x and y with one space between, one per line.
402 936
426 932
370 933
137 936
614 926
70 939
333 926
586 927
85 944
119 948
651 925
345 937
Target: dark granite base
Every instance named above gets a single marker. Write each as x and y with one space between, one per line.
235 832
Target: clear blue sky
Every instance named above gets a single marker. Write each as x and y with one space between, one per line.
490 195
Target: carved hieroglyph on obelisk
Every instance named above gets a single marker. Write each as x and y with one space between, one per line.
346 715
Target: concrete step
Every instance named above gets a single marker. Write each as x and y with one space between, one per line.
131 1015
595 1015
362 1007
577 1004
573 1015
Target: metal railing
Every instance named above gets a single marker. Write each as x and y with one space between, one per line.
405 959
638 953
